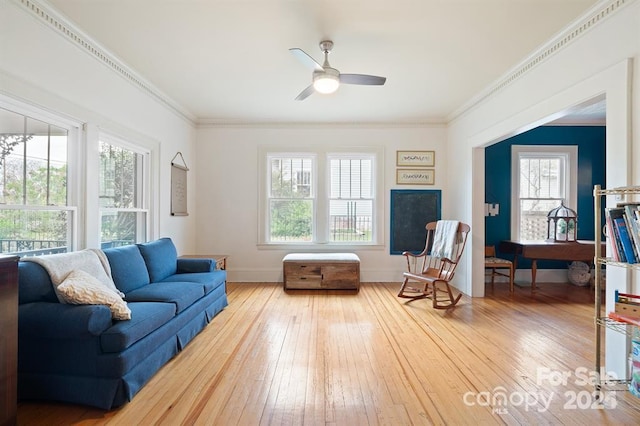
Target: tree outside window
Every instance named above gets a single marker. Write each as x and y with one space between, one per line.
35 218
299 210
123 216
291 199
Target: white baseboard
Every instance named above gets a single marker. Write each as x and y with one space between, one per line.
522 277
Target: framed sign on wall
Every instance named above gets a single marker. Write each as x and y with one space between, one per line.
179 187
415 158
415 176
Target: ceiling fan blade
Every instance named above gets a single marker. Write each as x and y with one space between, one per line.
306 59
305 93
369 80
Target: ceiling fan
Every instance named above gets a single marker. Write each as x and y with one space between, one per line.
326 79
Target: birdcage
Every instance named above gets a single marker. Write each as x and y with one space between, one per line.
562 224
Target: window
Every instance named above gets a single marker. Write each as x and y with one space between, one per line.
35 217
320 197
291 198
351 198
543 176
123 203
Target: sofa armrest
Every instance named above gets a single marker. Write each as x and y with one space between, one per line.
189 265
62 321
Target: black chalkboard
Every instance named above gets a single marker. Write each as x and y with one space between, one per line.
411 210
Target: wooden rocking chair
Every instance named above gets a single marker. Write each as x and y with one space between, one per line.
434 273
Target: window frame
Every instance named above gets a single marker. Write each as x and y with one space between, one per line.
321 227
143 191
74 133
327 223
312 197
569 156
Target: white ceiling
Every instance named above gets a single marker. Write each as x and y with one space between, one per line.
228 60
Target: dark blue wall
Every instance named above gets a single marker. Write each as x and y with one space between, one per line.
591 171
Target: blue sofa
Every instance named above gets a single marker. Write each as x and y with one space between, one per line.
79 354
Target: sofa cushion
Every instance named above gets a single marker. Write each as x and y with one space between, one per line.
80 288
209 280
161 258
182 294
146 317
34 284
128 268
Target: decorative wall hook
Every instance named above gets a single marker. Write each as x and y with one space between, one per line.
184 163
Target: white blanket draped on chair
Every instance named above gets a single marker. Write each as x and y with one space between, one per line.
444 239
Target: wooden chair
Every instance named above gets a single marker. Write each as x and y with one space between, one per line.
433 274
493 263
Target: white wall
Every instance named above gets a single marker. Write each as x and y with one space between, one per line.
605 59
228 189
41 66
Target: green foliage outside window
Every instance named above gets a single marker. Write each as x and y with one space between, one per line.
32 174
291 220
118 192
291 206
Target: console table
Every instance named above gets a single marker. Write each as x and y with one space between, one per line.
8 339
580 250
321 271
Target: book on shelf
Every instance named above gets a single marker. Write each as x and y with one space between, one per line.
625 239
612 233
631 215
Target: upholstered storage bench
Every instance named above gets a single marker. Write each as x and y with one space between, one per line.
326 271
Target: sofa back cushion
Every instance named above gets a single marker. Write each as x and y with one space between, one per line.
161 258
128 269
34 284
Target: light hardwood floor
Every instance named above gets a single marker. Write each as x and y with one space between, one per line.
368 358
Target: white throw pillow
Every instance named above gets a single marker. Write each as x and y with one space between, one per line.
80 288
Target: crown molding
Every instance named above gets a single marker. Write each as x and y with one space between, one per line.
594 16
576 123
214 123
47 15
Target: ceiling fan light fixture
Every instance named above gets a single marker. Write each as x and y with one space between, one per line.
326 81
326 84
